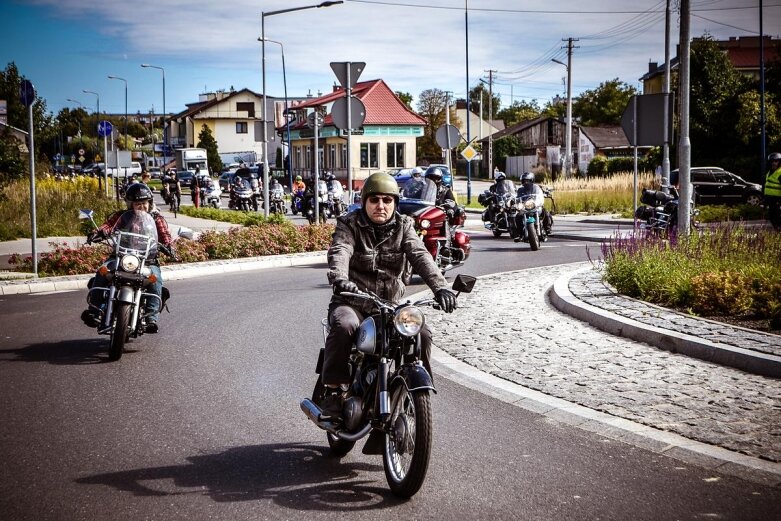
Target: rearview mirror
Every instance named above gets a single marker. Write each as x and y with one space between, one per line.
85 213
185 233
464 283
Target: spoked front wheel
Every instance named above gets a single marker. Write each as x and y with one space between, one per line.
408 441
120 332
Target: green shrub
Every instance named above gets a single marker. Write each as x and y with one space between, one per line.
597 166
720 292
726 270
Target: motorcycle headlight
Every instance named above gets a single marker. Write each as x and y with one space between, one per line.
130 263
530 204
425 224
409 320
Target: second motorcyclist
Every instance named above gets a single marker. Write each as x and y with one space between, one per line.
139 199
368 252
530 189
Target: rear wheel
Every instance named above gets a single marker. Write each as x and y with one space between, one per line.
338 446
497 233
119 333
408 441
754 199
534 239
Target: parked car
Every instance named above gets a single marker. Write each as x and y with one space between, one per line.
155 173
714 185
185 177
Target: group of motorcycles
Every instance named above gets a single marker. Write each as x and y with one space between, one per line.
519 216
659 212
330 202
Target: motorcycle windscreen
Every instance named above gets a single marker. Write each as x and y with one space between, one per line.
139 232
505 187
421 189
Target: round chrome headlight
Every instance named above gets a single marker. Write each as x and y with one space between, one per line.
425 224
130 263
409 320
530 204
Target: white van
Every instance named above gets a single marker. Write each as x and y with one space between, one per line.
133 169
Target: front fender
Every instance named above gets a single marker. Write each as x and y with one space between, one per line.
126 294
415 378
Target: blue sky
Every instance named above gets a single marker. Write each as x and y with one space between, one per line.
65 46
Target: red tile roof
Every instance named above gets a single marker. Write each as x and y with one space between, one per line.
383 107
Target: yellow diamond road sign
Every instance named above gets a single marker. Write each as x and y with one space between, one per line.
469 153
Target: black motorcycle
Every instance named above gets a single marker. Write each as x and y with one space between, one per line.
496 216
659 212
121 313
389 396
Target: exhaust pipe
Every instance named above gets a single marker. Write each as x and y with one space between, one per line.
312 412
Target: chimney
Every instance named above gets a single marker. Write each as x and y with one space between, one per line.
652 66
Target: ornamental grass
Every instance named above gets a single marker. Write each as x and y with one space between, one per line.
724 270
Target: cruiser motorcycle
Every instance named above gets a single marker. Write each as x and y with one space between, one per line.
389 398
498 208
659 211
277 199
122 312
438 226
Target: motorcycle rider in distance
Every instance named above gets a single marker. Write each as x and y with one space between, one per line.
368 252
529 188
174 187
417 172
501 186
772 191
139 199
299 185
445 196
237 183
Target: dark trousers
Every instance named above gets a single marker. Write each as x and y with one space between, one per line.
344 321
773 205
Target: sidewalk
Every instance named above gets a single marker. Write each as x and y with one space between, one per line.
656 379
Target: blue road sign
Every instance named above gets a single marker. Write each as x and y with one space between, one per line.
26 93
105 128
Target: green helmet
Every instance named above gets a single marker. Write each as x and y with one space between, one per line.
379 183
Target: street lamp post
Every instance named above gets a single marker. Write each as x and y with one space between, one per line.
81 105
165 127
287 119
263 16
123 79
568 137
105 144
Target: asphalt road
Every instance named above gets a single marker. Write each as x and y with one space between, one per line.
202 421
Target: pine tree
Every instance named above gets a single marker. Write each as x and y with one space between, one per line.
206 140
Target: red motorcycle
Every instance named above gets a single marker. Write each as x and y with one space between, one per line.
438 226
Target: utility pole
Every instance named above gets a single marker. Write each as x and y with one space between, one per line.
667 115
490 117
684 143
447 125
568 142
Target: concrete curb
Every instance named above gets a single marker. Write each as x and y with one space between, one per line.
171 272
750 361
661 442
626 431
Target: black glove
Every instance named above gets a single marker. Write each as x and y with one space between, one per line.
95 236
446 300
342 286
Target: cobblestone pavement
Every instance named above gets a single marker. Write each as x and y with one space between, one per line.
507 328
589 287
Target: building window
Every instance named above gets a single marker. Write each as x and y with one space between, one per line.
299 161
343 155
395 155
331 156
246 106
369 153
308 157
241 127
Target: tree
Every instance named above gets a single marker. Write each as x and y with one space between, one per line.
206 140
431 107
405 97
604 105
491 109
10 82
519 111
716 87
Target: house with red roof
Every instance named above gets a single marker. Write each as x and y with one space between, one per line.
743 53
385 141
